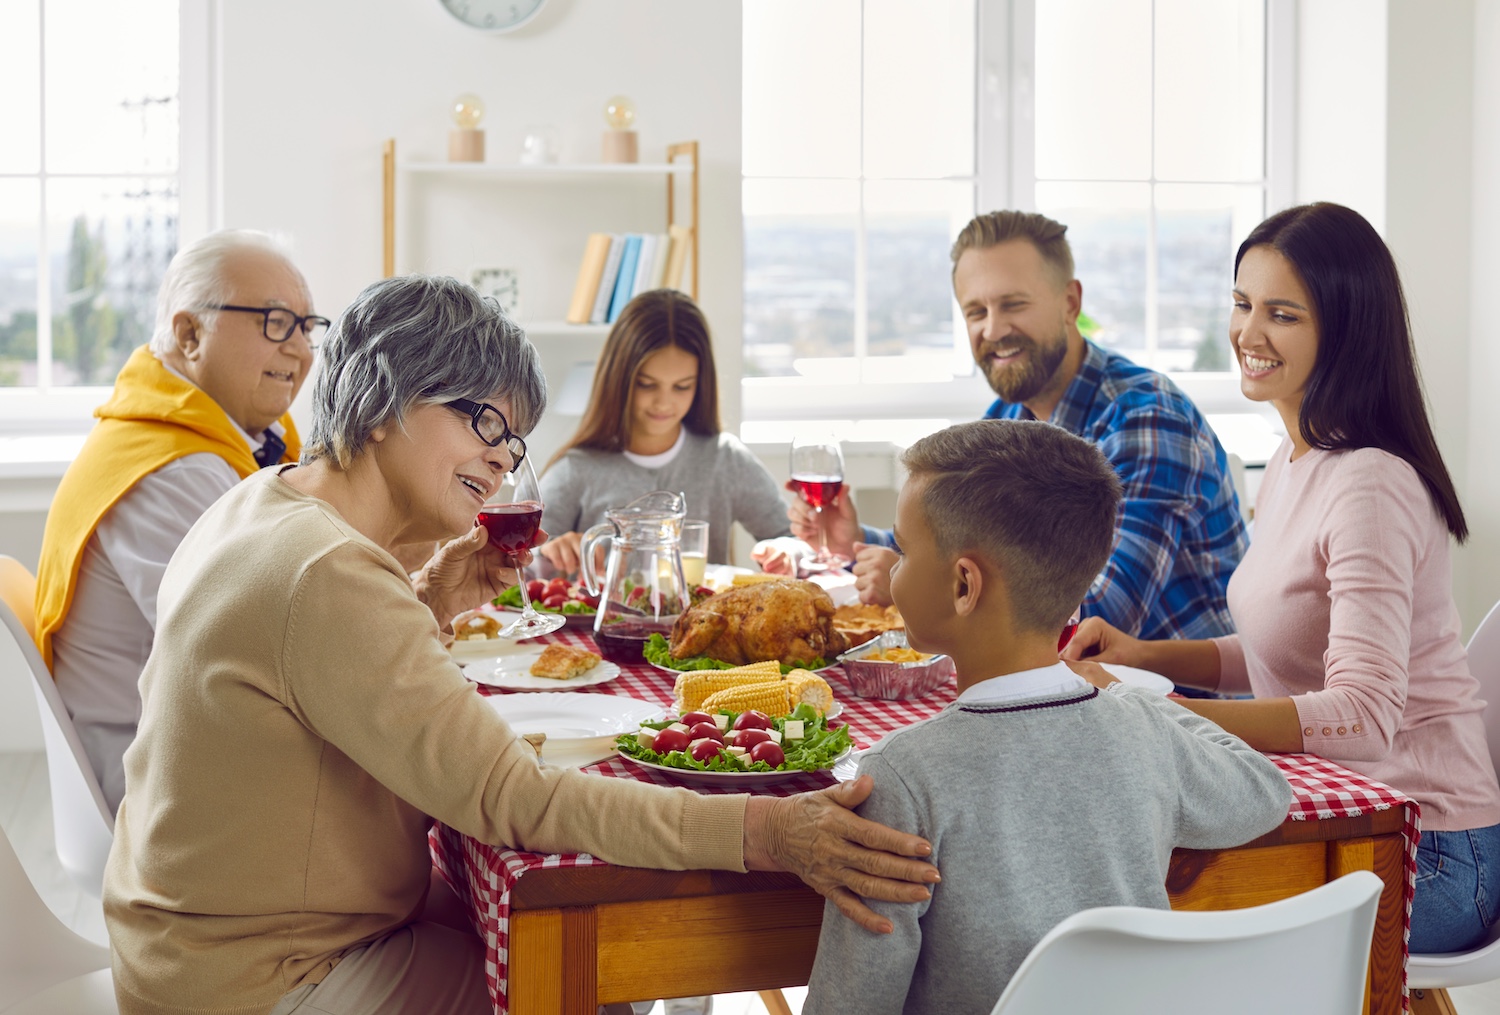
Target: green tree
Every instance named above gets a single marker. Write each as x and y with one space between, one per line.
1212 353
84 332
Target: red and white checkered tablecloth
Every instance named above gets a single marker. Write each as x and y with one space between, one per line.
485 874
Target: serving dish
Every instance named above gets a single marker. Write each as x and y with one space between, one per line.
877 678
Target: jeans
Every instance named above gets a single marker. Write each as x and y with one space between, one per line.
1458 889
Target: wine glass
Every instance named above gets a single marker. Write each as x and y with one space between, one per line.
818 476
511 516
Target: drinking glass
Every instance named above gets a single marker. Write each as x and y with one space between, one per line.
818 476
694 552
512 516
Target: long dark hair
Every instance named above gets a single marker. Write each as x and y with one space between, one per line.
1364 391
653 320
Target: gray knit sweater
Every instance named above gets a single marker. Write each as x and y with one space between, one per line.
1036 809
723 480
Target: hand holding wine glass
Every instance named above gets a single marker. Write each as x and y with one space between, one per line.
512 516
818 478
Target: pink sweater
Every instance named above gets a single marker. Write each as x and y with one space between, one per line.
1344 604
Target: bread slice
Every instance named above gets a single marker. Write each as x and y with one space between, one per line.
563 662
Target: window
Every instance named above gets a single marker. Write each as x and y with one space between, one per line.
858 170
872 134
88 186
1150 145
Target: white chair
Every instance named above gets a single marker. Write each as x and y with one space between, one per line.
1480 964
44 966
1308 953
81 820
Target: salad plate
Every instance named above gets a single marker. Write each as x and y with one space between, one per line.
513 673
731 780
572 717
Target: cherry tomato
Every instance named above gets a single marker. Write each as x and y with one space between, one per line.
592 601
694 718
557 587
670 740
752 720
749 738
704 749
554 602
536 588
702 592
701 730
769 752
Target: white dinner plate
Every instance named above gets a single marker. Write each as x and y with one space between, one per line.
572 717
730 780
489 648
1153 682
513 673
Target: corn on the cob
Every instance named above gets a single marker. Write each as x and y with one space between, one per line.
694 685
770 698
807 688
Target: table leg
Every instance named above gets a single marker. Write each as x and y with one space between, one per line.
1384 855
554 962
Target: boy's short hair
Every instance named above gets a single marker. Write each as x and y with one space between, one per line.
1048 236
1029 497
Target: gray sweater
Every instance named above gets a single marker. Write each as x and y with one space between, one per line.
1036 809
724 483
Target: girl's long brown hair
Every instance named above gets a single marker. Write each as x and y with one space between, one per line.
653 320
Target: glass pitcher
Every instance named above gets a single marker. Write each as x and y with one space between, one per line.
643 589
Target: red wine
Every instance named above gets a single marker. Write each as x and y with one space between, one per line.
625 642
819 491
1067 634
512 527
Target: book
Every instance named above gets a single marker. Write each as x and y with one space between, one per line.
659 261
682 239
643 266
607 278
587 286
626 278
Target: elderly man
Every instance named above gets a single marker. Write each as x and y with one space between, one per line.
200 408
1179 534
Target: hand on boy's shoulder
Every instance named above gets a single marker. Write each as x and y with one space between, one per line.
1093 673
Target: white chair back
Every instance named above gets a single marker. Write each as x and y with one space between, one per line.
81 820
1479 964
1484 663
38 954
1307 953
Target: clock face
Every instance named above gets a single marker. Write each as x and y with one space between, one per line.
493 15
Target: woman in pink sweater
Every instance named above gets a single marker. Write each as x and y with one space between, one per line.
1348 634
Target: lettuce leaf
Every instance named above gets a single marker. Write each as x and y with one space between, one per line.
659 653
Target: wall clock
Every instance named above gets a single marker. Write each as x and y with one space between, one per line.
493 16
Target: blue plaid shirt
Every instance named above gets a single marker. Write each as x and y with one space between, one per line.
1180 534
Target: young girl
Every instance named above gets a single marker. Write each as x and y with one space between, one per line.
653 424
1348 633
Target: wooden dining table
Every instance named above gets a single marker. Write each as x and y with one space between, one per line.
568 932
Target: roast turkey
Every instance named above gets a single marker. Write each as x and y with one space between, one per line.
789 621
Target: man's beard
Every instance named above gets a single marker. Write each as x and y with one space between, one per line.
1024 378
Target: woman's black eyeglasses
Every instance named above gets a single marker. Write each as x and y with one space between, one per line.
279 324
490 425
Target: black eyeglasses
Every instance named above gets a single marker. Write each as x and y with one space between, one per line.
490 425
278 324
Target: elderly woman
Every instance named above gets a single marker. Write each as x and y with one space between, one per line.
302 724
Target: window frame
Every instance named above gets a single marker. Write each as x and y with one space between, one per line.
60 409
1005 176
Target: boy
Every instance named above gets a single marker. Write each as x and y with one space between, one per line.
1041 793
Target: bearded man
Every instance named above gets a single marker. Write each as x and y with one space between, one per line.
1179 533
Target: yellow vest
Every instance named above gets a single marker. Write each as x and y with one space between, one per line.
152 418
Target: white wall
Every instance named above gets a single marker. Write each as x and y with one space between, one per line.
1482 490
1429 195
310 91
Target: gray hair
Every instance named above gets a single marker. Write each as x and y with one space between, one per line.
413 340
196 279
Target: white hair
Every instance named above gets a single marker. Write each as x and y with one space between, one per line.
195 280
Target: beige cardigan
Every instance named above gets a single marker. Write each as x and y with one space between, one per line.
300 722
